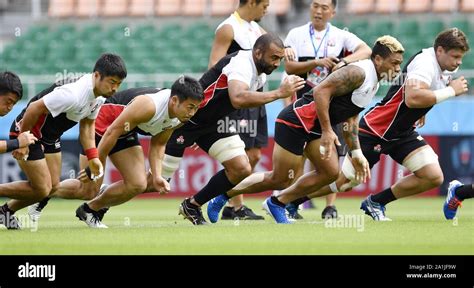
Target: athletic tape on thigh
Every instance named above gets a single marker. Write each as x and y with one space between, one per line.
227 148
347 168
349 172
169 165
422 158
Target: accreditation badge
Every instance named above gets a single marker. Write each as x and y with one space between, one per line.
317 75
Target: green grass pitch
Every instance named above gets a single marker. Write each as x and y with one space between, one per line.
152 226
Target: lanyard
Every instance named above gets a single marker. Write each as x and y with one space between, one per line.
311 35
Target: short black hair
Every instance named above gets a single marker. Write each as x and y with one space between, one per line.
110 65
334 3
380 50
243 2
187 88
10 83
264 41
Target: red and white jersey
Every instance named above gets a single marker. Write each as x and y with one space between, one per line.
392 119
68 103
238 66
342 107
116 104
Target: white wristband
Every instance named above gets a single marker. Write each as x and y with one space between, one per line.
357 153
444 94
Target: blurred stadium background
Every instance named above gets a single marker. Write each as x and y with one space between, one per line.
43 40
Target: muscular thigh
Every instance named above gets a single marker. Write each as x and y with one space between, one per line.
285 163
131 164
329 166
36 171
53 161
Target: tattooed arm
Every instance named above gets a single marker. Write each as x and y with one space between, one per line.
350 132
342 82
339 83
359 162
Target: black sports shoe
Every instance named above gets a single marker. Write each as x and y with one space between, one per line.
101 213
330 212
191 212
8 219
245 213
90 217
292 210
228 213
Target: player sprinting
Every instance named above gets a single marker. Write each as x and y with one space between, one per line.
389 127
229 85
11 92
322 48
306 127
146 111
239 32
48 115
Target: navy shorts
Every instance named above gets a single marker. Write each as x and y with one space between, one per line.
290 134
124 142
373 146
203 135
41 147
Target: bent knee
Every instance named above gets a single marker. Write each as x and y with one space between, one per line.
254 158
43 190
239 172
331 174
136 188
436 179
280 183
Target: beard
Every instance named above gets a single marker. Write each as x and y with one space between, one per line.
262 66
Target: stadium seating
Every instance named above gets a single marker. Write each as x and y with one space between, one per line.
194 7
441 6
134 8
467 6
88 8
141 8
279 7
61 8
149 47
388 6
409 6
114 8
360 6
223 7
418 6
167 7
